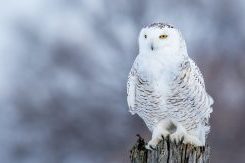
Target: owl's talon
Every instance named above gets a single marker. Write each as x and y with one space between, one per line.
181 140
162 137
202 148
152 147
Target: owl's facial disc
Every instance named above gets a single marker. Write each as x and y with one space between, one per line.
155 39
161 37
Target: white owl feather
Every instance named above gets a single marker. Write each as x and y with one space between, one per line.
166 88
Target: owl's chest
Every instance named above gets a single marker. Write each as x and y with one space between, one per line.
150 93
153 83
150 103
150 70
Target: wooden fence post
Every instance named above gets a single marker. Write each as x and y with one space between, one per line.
169 152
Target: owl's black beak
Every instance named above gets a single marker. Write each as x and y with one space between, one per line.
152 47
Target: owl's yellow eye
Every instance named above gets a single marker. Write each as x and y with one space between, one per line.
163 36
145 36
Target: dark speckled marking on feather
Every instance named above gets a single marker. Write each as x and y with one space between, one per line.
160 25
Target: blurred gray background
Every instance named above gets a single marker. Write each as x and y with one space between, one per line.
64 67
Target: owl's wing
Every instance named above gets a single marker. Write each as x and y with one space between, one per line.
202 101
131 88
131 92
190 103
199 78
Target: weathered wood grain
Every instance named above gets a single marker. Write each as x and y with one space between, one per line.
169 152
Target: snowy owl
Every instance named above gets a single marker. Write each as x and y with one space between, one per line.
166 88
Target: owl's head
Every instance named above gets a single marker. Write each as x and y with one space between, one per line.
160 38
